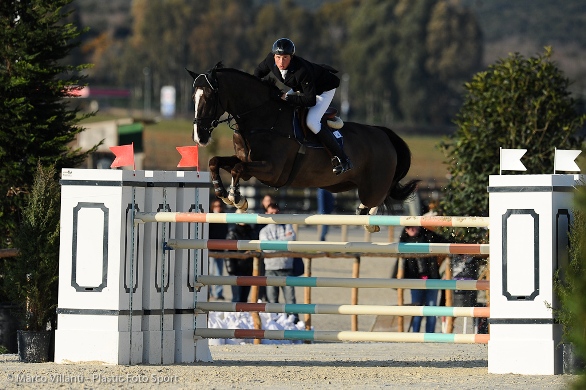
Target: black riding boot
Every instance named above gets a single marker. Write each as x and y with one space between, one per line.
340 161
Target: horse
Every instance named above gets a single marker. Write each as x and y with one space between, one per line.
265 146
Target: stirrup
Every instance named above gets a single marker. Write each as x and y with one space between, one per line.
339 166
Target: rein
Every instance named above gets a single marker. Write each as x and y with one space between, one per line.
215 122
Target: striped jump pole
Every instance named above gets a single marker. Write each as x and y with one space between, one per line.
419 284
323 246
324 335
425 311
308 219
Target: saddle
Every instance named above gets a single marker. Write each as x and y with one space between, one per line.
330 122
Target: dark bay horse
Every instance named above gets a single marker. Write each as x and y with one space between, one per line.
265 147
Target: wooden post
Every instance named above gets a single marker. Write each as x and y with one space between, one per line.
307 295
355 274
400 273
449 298
254 297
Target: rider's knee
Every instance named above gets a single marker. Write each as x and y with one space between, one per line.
314 126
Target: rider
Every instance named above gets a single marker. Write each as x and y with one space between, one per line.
317 85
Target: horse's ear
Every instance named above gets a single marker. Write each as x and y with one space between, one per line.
193 74
219 65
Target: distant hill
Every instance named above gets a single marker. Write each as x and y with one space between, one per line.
545 22
526 26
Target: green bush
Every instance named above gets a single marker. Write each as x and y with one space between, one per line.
570 286
31 279
518 103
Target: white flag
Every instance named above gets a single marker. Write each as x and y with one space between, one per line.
511 159
564 160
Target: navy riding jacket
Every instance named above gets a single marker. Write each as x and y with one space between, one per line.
302 76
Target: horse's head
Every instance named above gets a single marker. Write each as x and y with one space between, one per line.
207 105
226 89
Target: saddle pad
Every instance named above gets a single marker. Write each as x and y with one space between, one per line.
311 141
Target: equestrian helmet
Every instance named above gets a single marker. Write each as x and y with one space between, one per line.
283 46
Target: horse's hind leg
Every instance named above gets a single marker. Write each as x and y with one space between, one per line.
363 210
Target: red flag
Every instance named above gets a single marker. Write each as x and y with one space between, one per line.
124 155
189 157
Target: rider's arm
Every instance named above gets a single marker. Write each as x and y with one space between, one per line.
306 86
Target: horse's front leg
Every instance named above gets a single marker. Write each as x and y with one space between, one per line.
258 169
215 164
363 210
239 201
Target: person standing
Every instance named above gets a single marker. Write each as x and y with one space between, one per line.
265 202
216 264
279 266
312 86
325 205
422 268
240 267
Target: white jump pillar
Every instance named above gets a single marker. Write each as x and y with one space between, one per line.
122 299
529 221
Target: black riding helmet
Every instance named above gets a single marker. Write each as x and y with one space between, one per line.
283 46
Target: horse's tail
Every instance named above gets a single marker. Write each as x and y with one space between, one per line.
398 191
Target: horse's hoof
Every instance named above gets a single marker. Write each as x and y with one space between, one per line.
372 228
227 201
242 205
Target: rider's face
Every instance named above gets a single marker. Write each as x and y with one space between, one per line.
282 61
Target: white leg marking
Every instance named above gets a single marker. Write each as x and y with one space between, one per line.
197 97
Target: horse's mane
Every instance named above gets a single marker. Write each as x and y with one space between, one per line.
269 82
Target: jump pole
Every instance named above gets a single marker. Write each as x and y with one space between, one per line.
325 335
436 284
327 246
425 311
319 219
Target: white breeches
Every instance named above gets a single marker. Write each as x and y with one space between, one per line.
316 112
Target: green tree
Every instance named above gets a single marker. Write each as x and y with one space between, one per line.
32 278
37 122
517 103
397 52
454 53
369 57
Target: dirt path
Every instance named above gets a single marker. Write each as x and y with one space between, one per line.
317 366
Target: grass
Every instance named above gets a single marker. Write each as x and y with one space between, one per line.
427 161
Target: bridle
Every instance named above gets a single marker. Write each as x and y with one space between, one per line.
209 80
214 122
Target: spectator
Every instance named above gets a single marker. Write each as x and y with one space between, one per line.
216 265
240 267
266 201
325 205
279 266
422 268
